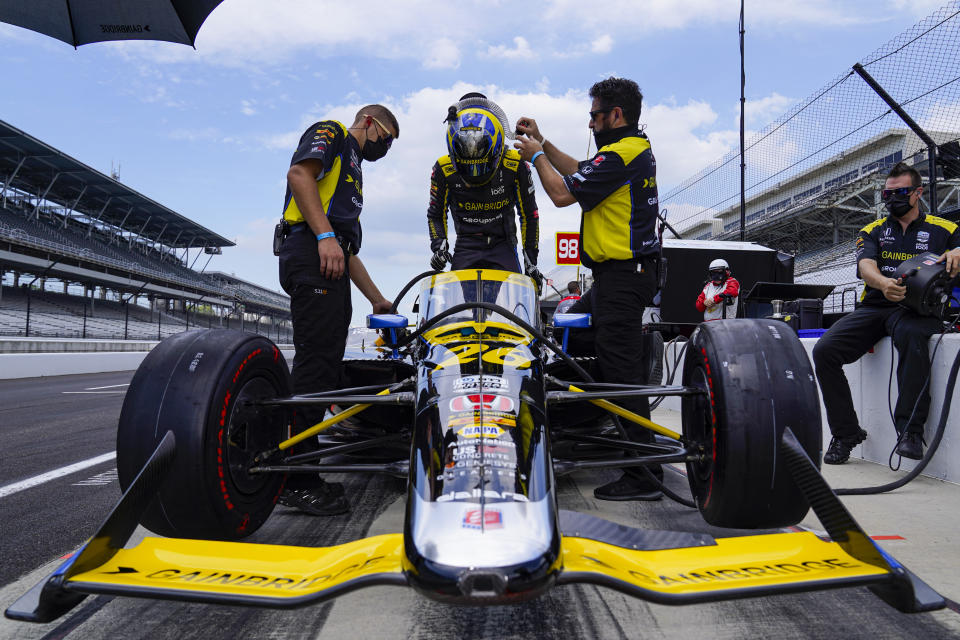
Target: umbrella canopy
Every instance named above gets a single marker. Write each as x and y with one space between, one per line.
80 22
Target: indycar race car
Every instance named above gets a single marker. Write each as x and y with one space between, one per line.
481 412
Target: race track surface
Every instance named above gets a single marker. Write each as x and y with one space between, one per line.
47 424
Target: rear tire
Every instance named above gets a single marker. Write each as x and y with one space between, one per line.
196 384
760 382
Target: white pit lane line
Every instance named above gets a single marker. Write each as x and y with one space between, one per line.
99 390
16 487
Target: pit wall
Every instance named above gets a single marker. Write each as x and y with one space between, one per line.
38 357
868 385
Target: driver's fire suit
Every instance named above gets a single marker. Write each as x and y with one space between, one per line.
483 214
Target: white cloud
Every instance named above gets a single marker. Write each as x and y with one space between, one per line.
763 111
247 107
443 54
603 44
255 34
520 51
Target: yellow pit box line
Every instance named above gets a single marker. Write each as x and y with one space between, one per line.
733 568
245 573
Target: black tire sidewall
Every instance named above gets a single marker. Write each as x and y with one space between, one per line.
761 382
190 389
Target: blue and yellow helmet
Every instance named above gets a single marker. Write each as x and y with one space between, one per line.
475 143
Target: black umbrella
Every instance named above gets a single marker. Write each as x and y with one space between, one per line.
80 22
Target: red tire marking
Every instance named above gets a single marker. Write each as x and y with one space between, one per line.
887 538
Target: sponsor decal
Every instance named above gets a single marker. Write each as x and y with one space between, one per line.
888 232
506 356
587 170
482 519
239 579
922 246
484 383
651 201
480 431
496 191
124 28
596 161
485 206
926 262
923 236
650 182
477 493
478 401
896 255
738 573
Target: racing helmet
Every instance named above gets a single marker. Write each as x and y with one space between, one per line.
719 270
475 141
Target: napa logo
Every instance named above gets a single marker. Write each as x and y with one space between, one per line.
480 431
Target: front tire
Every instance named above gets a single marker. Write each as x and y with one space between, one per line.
198 384
757 381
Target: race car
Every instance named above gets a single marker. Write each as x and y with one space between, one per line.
481 412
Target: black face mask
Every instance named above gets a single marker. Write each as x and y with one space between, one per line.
373 150
609 136
898 206
716 278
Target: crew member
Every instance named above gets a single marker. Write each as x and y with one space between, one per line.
481 182
617 191
720 294
573 294
881 246
318 260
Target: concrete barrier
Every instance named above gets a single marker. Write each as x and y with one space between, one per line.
39 357
868 379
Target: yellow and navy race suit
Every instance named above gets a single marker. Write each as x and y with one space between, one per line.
617 189
885 241
483 214
340 184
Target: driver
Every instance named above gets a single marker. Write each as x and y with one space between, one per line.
481 183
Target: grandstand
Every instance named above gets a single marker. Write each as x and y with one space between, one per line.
82 255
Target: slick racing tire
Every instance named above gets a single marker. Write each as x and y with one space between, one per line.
198 384
757 381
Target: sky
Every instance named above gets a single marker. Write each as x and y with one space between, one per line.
209 131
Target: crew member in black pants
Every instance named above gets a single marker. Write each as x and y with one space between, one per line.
617 190
881 246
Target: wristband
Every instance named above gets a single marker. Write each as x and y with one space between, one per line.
324 236
535 156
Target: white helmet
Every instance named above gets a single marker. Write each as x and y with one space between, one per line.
719 263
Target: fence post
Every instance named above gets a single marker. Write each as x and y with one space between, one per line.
126 319
26 331
83 334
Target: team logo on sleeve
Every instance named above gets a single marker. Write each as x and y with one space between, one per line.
596 161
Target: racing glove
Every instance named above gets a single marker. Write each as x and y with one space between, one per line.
441 257
530 269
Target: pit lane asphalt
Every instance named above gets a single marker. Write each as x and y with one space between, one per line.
42 428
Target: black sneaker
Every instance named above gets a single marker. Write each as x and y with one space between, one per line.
628 487
911 446
839 450
318 501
